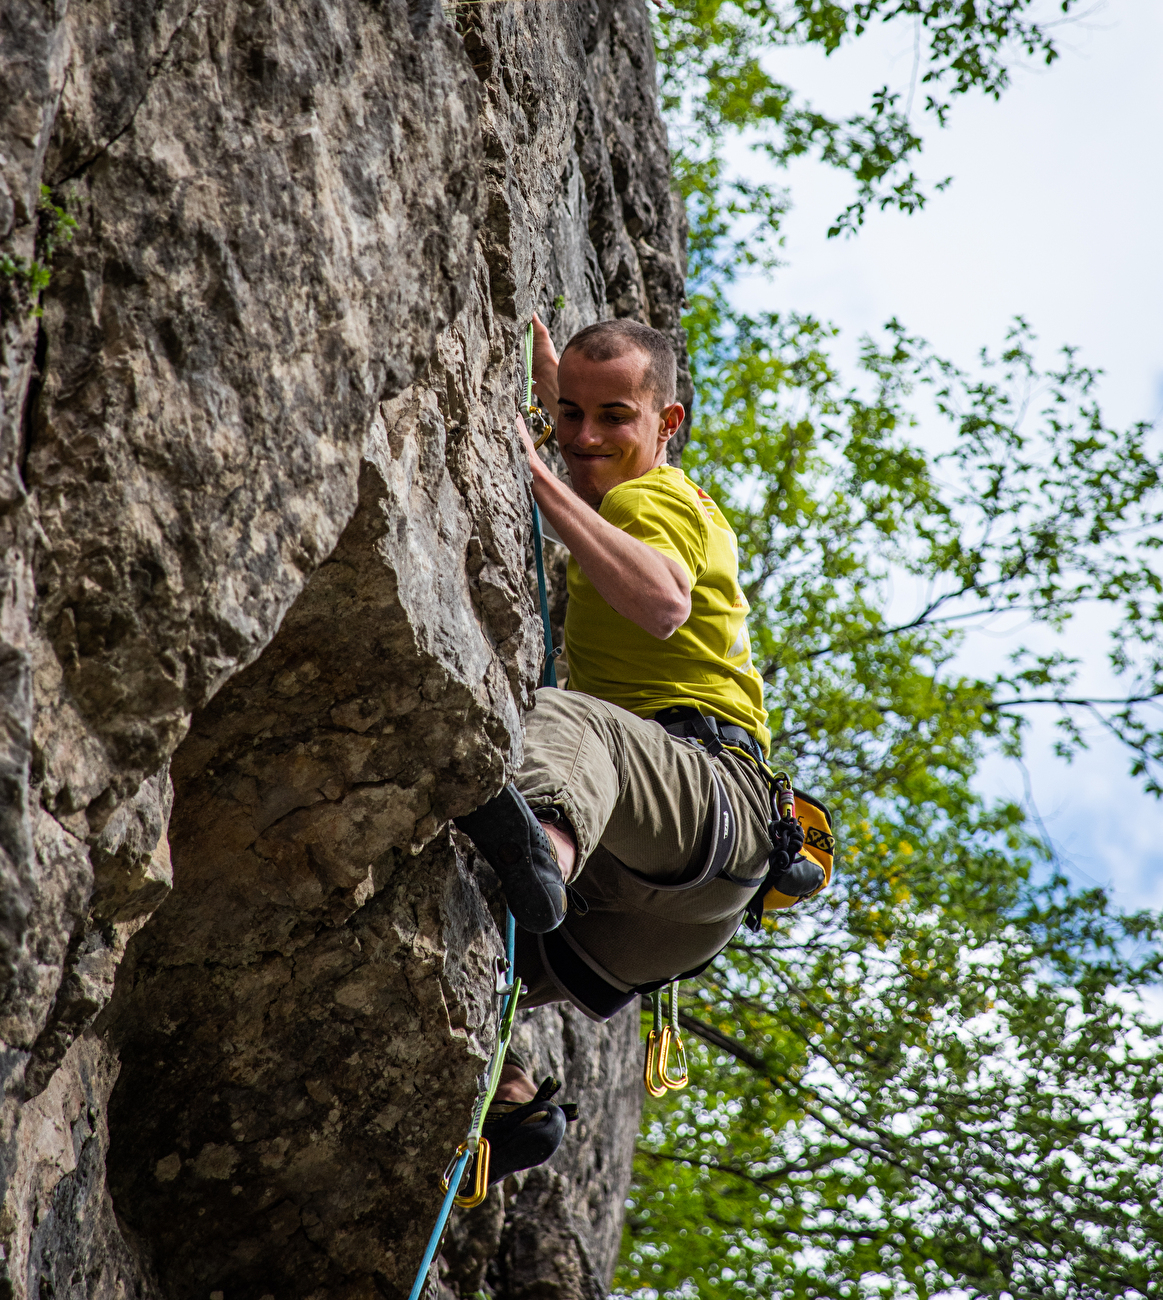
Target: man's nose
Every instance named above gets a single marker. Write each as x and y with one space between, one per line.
589 435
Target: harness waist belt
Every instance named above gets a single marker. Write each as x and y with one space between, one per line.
680 719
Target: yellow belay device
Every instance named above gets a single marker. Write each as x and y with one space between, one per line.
819 842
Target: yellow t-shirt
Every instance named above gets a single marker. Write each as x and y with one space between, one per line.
706 662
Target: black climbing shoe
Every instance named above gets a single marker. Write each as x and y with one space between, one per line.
519 851
523 1135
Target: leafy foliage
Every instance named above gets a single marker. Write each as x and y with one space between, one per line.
21 280
938 1078
920 1102
1036 507
932 1076
716 83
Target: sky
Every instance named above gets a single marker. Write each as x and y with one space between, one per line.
1055 212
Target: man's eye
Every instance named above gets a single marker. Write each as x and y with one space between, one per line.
571 415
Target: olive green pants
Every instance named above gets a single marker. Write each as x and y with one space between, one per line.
639 801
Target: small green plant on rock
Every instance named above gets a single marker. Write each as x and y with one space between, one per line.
21 281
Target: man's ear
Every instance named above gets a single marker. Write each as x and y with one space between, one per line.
670 420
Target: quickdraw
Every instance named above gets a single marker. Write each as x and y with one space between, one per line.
475 1144
656 1073
507 994
532 409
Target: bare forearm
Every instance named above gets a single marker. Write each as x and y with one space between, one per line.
634 579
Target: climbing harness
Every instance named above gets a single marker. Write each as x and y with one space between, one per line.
509 987
660 1040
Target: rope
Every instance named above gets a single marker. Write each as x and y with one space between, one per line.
549 673
455 1172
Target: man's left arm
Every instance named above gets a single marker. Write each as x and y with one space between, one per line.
635 580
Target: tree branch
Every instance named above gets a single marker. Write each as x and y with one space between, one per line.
1080 703
711 1035
921 620
765 1180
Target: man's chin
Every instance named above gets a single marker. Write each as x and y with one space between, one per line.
593 473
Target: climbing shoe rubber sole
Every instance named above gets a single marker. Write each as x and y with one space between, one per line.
511 840
521 1137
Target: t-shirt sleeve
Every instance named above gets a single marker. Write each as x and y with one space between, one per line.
665 522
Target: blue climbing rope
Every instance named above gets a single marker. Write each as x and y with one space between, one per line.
549 672
454 1175
549 675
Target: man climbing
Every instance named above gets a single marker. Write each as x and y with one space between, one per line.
639 831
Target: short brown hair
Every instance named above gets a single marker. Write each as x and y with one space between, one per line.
608 339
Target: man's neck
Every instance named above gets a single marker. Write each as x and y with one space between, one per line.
597 504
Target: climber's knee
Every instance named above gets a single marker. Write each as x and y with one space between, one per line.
571 763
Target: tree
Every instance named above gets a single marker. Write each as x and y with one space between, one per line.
936 1077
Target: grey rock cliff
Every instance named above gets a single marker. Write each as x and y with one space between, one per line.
265 626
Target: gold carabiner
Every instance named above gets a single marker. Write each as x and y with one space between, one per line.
651 1074
656 1074
655 1045
683 1077
480 1182
536 415
672 1035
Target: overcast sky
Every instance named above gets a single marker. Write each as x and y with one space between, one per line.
1055 212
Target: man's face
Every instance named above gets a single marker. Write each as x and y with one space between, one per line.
610 428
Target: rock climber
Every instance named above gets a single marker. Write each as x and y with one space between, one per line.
639 830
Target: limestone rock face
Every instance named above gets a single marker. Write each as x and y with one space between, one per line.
265 625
